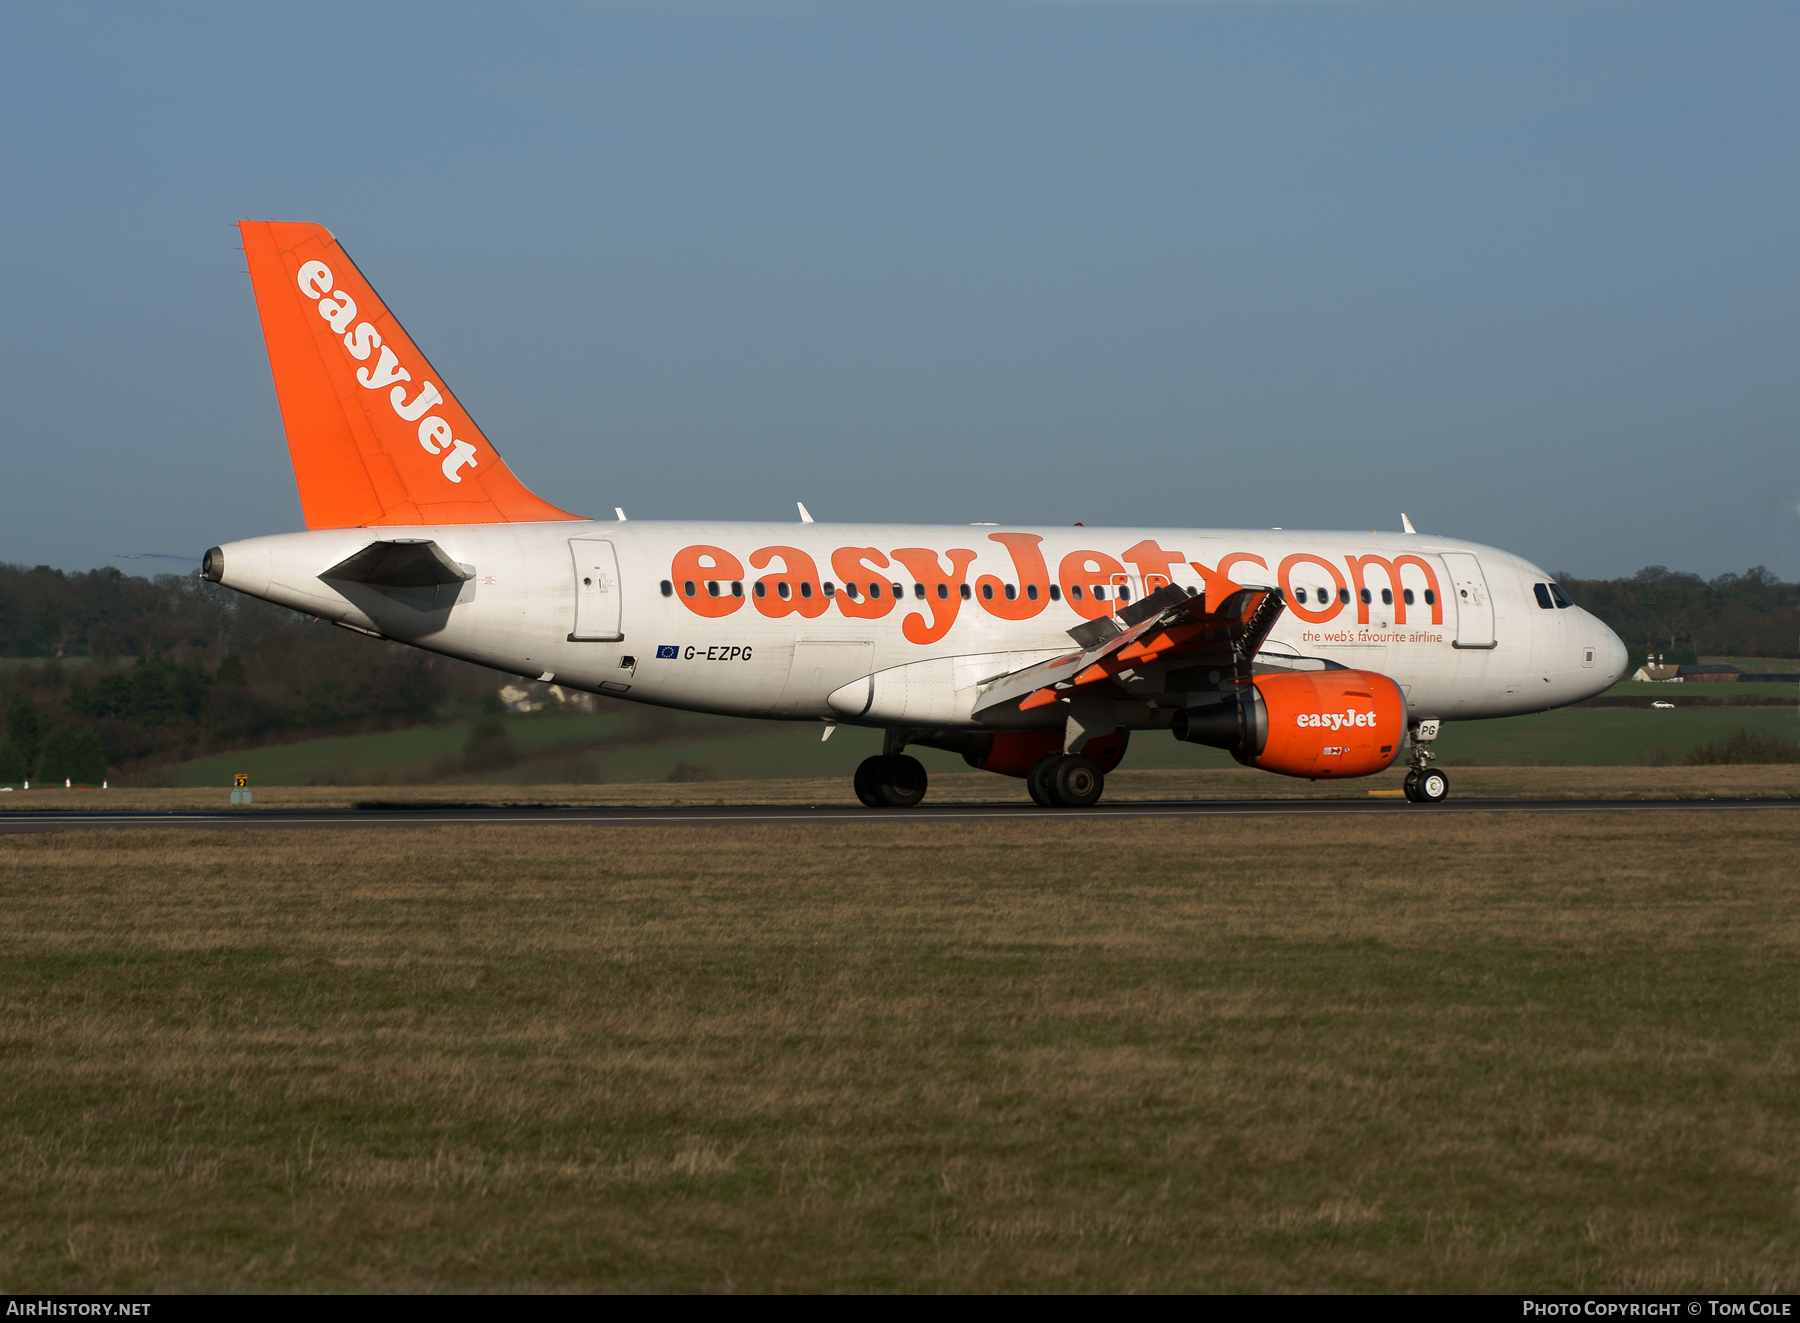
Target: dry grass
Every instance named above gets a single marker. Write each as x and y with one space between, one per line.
1428 1053
1123 786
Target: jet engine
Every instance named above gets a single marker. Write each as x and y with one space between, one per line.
1314 724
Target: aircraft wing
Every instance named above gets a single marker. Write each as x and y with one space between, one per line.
1223 628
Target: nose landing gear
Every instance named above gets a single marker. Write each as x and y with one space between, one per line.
1426 787
1425 784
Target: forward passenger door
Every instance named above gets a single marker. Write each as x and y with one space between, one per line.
1474 605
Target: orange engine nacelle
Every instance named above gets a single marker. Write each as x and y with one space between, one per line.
1306 723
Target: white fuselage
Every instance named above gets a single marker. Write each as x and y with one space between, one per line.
1480 645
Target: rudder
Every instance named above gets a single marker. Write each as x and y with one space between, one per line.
375 435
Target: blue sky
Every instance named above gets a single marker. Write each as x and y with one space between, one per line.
1528 272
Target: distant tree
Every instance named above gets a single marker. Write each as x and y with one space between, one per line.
24 732
231 670
12 765
90 759
61 755
1659 610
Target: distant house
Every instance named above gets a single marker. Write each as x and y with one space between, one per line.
1709 673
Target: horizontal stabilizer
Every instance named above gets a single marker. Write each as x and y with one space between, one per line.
408 564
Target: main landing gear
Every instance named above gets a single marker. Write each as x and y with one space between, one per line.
1065 780
1425 784
892 780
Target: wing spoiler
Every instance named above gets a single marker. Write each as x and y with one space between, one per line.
1227 626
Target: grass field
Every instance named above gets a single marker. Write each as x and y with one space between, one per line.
1125 786
1733 693
1424 1053
603 747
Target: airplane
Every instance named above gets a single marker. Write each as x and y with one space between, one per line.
1034 652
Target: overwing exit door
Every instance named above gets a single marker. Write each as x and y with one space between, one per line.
596 591
1474 605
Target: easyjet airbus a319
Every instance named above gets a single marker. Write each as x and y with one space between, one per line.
1033 652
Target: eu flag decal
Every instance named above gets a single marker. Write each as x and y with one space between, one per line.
667 652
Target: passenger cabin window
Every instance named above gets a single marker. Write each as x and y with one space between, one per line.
899 591
1099 593
1430 598
966 594
874 590
1387 596
987 592
762 589
1074 592
1562 598
1012 593
687 587
943 592
1031 591
850 591
806 590
785 591
737 587
668 588
1344 596
712 587
1542 592
1406 596
1124 593
830 588
1366 597
918 591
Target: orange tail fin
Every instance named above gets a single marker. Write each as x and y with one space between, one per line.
375 434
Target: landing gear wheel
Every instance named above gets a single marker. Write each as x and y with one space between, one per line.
1410 786
1077 782
1039 780
1434 786
868 782
902 781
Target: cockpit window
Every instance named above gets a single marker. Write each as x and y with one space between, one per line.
1562 598
1543 595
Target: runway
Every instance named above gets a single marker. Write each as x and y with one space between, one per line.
20 822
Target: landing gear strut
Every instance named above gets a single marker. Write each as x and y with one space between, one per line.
1425 784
